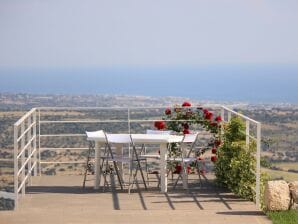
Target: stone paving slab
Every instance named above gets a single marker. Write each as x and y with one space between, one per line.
60 199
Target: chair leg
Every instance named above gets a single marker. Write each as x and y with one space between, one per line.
130 177
147 171
105 175
199 173
176 182
142 174
87 164
118 175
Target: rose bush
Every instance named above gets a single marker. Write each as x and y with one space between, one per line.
181 119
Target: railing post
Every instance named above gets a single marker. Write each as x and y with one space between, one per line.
16 166
29 135
39 164
222 114
247 124
128 120
258 165
23 157
34 144
128 123
229 116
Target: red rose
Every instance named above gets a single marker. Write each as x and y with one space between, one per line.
186 131
186 104
217 143
218 119
213 124
178 168
214 150
213 158
168 111
205 111
159 125
208 115
186 126
188 168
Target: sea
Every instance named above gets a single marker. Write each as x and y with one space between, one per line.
249 83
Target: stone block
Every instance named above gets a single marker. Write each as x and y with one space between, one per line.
277 195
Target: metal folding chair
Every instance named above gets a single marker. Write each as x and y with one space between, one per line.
88 166
155 156
135 159
186 147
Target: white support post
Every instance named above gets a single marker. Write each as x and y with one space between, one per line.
223 119
258 165
247 124
16 167
29 136
129 149
23 174
229 116
39 164
128 120
34 144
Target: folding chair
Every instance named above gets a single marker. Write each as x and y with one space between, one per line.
88 166
154 156
137 160
186 159
133 161
106 169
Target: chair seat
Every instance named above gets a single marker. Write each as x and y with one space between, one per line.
120 159
117 159
150 156
179 159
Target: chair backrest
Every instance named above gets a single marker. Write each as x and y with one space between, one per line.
192 139
118 138
158 132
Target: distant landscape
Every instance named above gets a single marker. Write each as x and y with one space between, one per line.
279 129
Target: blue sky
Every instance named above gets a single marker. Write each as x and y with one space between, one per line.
92 34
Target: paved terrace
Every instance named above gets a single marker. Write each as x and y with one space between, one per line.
61 199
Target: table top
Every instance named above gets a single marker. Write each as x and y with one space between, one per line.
137 138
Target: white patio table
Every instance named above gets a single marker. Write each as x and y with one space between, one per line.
120 139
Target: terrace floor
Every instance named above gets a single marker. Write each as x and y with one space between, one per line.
61 199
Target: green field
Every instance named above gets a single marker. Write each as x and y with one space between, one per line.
284 217
286 165
277 174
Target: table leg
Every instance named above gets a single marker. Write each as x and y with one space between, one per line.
119 152
163 168
97 165
184 171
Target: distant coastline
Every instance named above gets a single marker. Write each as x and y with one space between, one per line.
241 83
25 101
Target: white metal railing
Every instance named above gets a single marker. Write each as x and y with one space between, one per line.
25 152
33 152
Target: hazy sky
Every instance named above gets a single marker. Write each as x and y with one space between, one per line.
84 34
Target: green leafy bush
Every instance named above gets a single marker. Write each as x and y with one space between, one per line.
235 165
